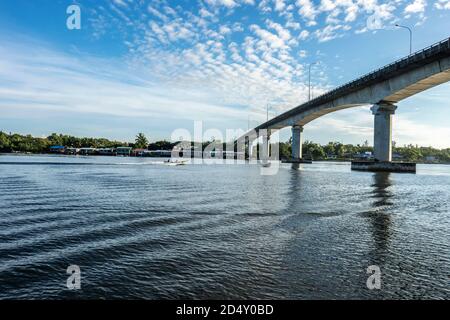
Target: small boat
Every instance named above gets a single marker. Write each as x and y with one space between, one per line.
175 163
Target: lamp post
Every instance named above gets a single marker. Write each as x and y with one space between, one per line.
410 35
309 79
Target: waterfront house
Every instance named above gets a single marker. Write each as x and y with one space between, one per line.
57 149
106 151
71 150
431 159
87 151
397 156
123 151
160 153
140 153
364 155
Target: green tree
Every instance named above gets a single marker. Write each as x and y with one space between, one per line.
313 150
285 150
4 142
340 150
28 143
161 145
411 153
141 141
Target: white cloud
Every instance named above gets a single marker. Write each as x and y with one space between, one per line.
224 30
156 13
264 6
355 125
306 9
382 17
406 132
328 33
120 3
280 5
293 25
49 80
442 4
282 32
269 38
205 13
327 5
417 6
229 3
226 3
352 12
303 35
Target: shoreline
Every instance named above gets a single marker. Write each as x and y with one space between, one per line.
115 156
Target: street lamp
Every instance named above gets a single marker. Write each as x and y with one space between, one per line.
410 35
309 79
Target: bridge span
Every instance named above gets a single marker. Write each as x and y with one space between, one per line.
382 89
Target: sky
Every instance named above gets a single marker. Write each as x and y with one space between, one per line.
158 66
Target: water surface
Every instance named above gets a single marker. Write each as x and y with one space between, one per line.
140 229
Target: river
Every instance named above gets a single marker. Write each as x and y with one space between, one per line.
140 229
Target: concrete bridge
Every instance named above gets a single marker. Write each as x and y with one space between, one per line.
382 89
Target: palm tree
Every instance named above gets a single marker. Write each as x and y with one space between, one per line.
141 141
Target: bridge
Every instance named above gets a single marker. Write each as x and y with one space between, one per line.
382 89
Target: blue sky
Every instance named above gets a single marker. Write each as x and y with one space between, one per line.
157 66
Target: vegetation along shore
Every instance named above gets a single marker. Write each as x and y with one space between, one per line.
17 143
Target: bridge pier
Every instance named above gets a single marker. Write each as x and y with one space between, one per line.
382 146
264 153
297 146
249 145
297 152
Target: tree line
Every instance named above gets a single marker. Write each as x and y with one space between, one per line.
334 150
337 150
27 143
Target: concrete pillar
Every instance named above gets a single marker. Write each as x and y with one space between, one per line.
250 149
265 152
297 142
383 131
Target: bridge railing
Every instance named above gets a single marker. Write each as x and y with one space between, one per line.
403 63
428 51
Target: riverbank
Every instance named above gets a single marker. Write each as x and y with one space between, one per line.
167 154
350 160
333 151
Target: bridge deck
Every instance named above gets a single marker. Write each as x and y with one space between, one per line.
411 62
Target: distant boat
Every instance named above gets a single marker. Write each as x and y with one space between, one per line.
176 162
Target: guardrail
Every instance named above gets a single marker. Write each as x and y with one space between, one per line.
403 63
444 43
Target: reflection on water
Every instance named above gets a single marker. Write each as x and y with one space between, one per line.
380 216
219 231
381 190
